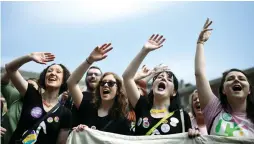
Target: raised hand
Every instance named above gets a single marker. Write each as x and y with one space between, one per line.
42 57
143 73
154 42
159 68
99 53
205 33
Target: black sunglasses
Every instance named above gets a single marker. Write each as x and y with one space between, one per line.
169 73
109 83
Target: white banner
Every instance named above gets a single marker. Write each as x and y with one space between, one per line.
90 136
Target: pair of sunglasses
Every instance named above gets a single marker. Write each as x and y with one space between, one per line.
169 73
109 83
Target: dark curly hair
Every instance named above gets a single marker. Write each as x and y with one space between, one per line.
250 97
119 108
66 74
175 100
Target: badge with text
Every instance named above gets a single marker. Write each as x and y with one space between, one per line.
36 112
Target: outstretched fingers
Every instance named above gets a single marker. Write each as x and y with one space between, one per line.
207 23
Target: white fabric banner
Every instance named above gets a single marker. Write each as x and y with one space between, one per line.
90 136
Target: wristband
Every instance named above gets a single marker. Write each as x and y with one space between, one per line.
88 62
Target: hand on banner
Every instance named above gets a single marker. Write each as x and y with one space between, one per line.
192 133
2 131
79 128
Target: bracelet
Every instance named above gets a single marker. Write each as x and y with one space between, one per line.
88 62
200 42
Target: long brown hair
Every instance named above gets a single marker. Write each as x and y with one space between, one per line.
119 108
250 97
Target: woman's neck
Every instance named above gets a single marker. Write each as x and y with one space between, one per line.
51 96
106 105
161 103
238 105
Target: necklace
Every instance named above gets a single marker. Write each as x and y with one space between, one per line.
155 111
46 104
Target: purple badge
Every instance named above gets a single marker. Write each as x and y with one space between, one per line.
36 112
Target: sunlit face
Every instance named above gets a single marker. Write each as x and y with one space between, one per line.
163 85
196 103
92 78
54 76
236 85
35 85
108 88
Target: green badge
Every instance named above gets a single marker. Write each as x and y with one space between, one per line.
226 116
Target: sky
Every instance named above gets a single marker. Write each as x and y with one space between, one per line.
71 30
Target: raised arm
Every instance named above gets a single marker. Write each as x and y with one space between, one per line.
153 43
203 86
12 68
99 53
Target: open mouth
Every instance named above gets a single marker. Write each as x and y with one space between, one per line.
161 86
52 79
198 106
106 91
237 88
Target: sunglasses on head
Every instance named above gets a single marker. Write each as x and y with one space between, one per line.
109 83
169 73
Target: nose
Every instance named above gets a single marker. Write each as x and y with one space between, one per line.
236 80
163 78
53 73
93 75
106 84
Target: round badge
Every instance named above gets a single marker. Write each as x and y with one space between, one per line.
50 120
36 112
226 116
145 119
56 119
146 124
165 128
93 127
139 121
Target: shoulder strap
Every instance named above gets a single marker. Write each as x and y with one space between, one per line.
155 126
183 121
210 127
106 126
42 119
